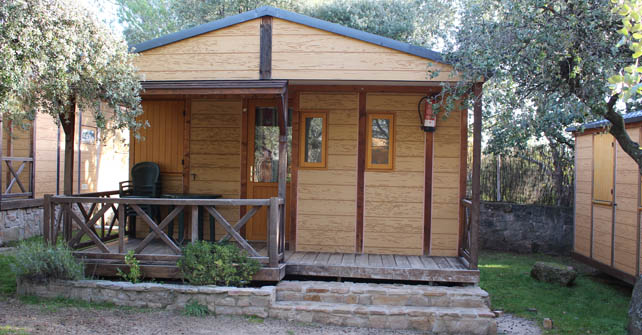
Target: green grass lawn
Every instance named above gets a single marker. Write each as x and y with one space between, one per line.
593 305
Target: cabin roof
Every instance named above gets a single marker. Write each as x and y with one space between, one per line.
628 118
293 17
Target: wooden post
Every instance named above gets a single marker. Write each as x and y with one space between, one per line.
475 210
32 182
273 231
121 228
265 56
194 223
46 220
499 178
283 168
1 156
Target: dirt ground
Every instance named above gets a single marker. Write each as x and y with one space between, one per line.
20 318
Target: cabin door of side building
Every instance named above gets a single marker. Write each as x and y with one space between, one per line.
263 162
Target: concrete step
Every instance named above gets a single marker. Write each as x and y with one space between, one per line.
383 294
436 320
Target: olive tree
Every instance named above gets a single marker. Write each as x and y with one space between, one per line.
565 57
57 56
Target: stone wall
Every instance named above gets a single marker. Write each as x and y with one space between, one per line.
19 224
218 299
526 228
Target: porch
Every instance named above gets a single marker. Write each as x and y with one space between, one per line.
94 226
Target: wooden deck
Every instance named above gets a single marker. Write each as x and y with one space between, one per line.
158 259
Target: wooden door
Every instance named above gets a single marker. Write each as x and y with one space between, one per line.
263 158
162 141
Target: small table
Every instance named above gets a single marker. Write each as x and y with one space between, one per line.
181 217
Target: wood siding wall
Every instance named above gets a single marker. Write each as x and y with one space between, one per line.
228 53
583 194
626 211
605 233
446 179
326 204
215 153
394 200
302 52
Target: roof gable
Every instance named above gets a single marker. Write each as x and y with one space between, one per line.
293 17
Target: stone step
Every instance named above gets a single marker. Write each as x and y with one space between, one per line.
436 320
383 294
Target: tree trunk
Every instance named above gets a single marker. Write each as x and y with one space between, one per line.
618 130
69 127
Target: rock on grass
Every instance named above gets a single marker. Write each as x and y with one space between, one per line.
554 273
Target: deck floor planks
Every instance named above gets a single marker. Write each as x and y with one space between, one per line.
415 262
388 261
402 261
335 258
348 259
377 266
374 266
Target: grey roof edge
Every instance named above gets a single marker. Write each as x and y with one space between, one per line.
628 118
293 17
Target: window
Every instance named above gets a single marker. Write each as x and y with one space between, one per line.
380 141
313 140
603 156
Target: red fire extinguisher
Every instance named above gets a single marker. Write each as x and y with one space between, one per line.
429 120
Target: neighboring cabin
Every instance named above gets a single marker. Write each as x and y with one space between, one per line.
607 200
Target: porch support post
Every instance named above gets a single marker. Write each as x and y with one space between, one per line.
475 215
283 172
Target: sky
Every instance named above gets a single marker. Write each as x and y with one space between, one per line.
106 11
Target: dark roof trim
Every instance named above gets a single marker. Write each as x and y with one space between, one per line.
628 118
293 17
214 87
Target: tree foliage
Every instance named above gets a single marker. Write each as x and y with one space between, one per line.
55 55
422 22
557 57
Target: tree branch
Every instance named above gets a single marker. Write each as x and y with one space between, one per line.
618 130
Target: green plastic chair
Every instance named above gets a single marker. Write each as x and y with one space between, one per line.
144 183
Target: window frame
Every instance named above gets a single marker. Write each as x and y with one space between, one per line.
391 152
324 141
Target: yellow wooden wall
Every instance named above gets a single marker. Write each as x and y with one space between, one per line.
326 204
394 200
46 154
215 149
446 178
228 53
302 52
583 194
626 211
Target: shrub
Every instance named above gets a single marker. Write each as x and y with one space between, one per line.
193 308
134 274
37 261
204 263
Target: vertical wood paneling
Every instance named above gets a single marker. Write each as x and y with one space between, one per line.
626 195
215 149
583 194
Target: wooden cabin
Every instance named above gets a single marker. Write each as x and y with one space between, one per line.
363 191
607 200
34 151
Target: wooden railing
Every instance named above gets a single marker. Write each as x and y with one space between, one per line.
466 248
14 178
62 216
